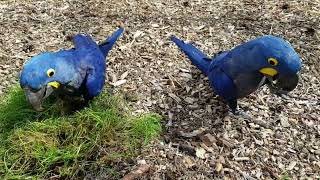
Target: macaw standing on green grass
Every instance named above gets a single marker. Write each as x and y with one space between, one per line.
240 71
76 72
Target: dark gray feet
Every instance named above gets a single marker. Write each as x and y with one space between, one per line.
233 104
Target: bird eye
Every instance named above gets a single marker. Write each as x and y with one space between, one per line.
273 61
50 72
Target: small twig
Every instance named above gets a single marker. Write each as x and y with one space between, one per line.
241 158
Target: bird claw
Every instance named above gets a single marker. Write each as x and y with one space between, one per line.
235 112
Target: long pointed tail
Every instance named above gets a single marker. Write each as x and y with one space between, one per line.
197 57
106 46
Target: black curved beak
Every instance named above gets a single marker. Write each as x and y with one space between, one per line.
36 98
282 84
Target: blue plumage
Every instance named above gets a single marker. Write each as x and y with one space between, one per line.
240 71
79 71
198 58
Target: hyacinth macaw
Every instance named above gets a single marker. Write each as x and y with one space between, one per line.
76 72
238 72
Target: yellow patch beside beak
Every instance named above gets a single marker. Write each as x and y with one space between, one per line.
54 84
268 71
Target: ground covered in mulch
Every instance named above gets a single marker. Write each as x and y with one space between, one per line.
201 139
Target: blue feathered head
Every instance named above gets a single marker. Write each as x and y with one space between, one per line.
44 73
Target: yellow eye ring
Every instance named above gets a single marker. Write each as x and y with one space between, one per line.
273 61
50 72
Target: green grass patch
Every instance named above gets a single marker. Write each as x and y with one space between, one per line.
41 145
285 176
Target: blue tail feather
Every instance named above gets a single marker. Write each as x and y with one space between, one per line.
197 57
106 46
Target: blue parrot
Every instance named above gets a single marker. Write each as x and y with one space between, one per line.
238 72
76 72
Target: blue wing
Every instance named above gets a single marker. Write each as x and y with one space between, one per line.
96 66
82 41
224 86
91 64
247 83
94 82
